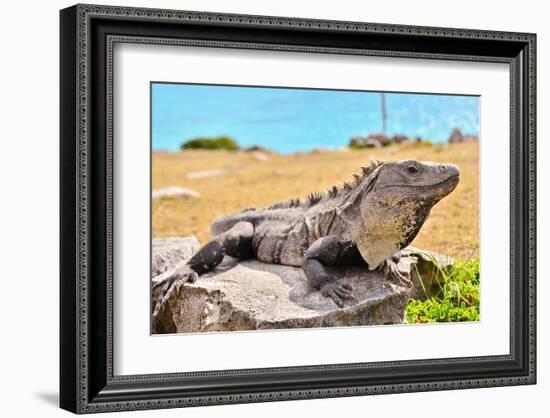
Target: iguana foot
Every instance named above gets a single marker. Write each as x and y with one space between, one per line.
184 273
337 292
391 270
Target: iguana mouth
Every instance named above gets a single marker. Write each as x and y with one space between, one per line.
441 189
452 181
454 178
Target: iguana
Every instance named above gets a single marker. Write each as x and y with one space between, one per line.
364 221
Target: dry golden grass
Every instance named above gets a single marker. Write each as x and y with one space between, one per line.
452 228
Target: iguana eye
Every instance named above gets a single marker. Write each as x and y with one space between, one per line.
412 169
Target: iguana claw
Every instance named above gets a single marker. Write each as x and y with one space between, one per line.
337 292
391 271
179 273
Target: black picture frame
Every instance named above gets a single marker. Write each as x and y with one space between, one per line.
87 36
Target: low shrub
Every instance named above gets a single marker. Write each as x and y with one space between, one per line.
220 142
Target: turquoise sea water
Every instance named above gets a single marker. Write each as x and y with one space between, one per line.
289 120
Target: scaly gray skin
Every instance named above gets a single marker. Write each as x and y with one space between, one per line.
365 221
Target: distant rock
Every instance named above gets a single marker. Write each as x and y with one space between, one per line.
261 156
456 136
320 150
251 295
205 173
174 192
376 140
365 142
398 139
259 148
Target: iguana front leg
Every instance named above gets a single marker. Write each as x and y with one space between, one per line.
236 242
328 251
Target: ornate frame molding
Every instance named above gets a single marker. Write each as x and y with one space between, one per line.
79 387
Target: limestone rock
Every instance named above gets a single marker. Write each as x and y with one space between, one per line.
193 175
168 252
456 136
259 148
250 295
175 192
377 140
261 156
426 272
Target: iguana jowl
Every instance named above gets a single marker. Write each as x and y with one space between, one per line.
365 221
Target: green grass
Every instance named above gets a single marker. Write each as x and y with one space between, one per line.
455 297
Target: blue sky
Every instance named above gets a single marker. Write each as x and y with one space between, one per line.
289 120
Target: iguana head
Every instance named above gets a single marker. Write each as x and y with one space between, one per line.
388 208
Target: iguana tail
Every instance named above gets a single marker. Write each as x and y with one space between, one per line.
226 222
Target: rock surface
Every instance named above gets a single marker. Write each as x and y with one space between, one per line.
457 136
175 192
205 173
167 252
250 295
261 156
377 140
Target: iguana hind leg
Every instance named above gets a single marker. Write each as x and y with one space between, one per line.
330 251
235 242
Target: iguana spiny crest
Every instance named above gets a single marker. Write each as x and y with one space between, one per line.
336 191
